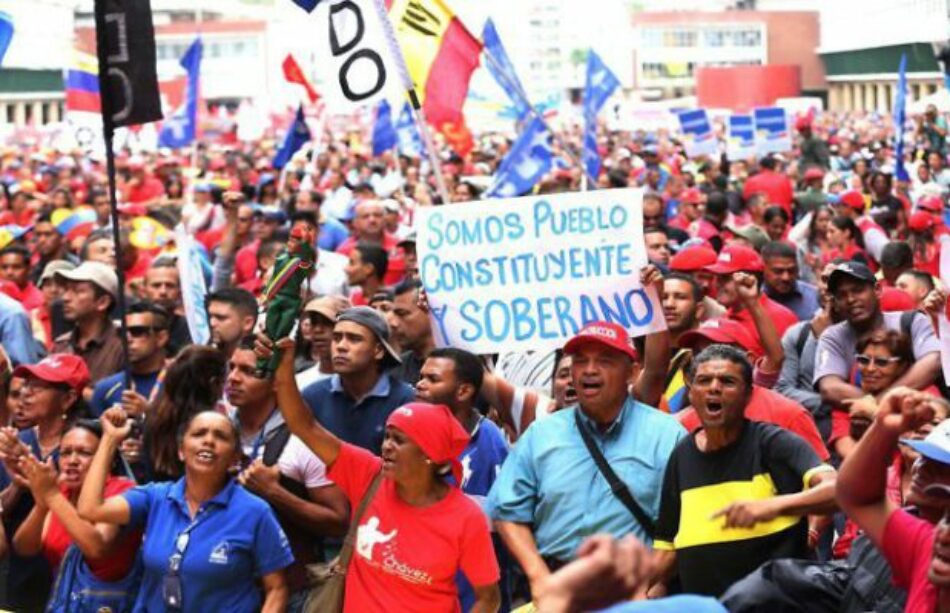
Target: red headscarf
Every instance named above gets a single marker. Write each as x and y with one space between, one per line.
435 430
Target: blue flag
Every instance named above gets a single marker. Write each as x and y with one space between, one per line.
600 85
179 130
407 134
384 136
900 118
6 34
298 135
501 68
307 5
530 159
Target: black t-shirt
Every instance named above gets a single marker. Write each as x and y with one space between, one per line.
766 461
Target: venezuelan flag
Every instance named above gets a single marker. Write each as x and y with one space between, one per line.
441 55
82 84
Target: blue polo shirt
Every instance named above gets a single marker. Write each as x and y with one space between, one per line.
550 480
108 391
360 423
803 301
332 234
236 540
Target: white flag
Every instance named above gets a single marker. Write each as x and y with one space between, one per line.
357 67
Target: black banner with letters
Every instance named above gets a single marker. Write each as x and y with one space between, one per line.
128 85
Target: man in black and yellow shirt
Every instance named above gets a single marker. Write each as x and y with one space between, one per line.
736 492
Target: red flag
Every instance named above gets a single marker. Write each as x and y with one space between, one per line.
294 74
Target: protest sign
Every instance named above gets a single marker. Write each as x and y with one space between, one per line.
527 273
771 130
698 138
740 137
193 288
942 319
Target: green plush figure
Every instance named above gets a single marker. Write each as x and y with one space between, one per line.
281 297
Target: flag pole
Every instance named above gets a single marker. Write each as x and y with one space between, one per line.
199 18
537 115
108 133
418 114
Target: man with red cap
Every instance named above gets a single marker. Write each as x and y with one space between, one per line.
608 448
689 209
776 186
692 260
731 292
814 151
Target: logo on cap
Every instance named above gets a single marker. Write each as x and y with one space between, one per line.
52 362
725 257
600 331
404 411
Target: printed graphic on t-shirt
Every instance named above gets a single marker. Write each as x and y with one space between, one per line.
467 469
385 558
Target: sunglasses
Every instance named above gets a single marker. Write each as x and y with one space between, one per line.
171 583
140 331
866 360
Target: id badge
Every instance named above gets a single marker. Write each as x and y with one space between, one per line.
171 591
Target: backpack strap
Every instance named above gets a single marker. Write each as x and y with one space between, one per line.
802 339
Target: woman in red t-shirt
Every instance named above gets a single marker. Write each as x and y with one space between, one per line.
418 530
846 241
54 524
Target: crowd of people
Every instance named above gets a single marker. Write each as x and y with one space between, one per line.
782 444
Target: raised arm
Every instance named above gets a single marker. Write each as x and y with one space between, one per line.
115 427
296 413
862 480
749 292
94 540
656 359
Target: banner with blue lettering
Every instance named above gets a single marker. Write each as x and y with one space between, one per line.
771 130
740 137
698 138
527 273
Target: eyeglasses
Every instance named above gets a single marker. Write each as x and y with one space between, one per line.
140 331
866 360
245 219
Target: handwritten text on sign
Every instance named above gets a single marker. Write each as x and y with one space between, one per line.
528 273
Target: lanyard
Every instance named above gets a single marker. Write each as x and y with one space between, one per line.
158 384
259 441
184 538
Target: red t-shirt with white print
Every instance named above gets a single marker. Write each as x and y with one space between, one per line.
406 557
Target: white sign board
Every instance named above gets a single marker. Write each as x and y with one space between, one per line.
527 273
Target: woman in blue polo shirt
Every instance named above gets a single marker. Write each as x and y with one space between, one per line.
206 538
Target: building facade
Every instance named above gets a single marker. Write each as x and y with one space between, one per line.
672 45
862 52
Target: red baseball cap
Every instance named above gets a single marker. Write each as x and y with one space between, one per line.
728 331
803 123
920 221
814 173
57 368
610 334
930 204
691 196
737 258
693 258
853 200
896 300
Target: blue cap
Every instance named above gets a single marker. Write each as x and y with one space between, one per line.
936 446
